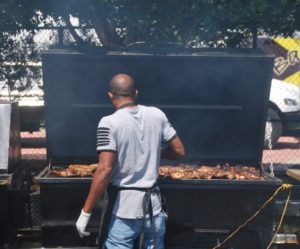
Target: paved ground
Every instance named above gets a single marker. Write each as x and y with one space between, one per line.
33 145
287 151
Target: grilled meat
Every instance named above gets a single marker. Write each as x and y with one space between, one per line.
208 172
76 170
82 170
63 172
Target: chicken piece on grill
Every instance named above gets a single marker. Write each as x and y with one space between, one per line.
76 170
230 175
178 169
63 173
240 176
189 174
93 166
220 174
229 172
75 167
82 170
177 175
207 172
164 171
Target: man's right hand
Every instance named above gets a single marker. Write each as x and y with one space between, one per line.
82 222
174 150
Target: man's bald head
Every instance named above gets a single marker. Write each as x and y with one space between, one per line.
122 85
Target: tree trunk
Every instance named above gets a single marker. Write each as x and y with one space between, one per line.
106 33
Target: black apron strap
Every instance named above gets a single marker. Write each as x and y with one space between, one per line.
148 209
164 206
110 196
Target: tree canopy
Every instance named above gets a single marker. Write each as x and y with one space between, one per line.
121 22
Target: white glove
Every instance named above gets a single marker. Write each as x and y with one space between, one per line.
81 224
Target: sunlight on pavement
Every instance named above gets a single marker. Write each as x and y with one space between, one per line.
287 151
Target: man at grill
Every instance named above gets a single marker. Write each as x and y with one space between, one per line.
129 147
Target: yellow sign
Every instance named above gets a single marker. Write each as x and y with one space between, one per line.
289 65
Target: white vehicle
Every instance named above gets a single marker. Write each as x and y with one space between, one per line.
283 111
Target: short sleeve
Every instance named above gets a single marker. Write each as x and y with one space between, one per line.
168 130
105 136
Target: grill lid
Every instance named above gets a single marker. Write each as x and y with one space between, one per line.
216 100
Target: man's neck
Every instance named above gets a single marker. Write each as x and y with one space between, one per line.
129 104
125 102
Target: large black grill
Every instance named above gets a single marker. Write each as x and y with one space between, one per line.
215 99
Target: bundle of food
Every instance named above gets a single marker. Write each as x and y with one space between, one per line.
237 172
76 170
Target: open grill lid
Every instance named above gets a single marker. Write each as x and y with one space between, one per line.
216 100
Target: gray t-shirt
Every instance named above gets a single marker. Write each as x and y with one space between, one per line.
135 134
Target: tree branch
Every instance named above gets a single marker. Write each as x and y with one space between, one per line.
130 36
77 38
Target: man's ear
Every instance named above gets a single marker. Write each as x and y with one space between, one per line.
136 93
110 95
